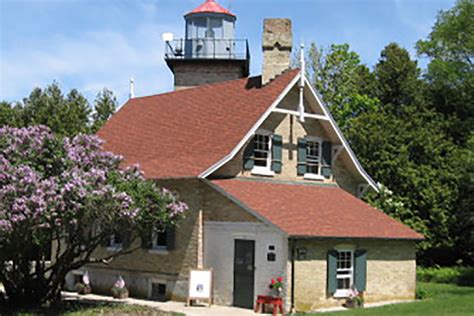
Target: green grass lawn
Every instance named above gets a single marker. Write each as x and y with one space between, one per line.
75 308
442 299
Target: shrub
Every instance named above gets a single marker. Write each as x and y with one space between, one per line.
421 292
454 275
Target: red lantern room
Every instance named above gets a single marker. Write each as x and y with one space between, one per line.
209 52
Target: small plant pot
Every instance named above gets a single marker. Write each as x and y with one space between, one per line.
353 304
120 294
83 289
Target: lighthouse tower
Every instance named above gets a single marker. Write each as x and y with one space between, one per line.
209 52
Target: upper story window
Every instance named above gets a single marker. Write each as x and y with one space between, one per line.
262 154
314 158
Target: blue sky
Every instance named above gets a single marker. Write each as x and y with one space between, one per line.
91 44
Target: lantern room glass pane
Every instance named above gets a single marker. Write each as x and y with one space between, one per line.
215 28
200 27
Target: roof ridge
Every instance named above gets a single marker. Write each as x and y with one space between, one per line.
194 88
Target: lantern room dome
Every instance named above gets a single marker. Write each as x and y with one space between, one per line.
210 6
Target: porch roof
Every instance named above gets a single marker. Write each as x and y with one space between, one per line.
303 210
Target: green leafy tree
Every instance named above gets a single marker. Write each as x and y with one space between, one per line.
64 115
104 106
450 74
10 114
343 81
410 153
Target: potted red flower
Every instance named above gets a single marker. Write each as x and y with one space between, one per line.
277 285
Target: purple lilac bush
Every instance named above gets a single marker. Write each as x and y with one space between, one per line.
60 198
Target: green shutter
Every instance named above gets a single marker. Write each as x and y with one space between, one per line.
277 143
332 271
327 159
249 154
126 239
360 269
301 156
170 238
105 242
147 240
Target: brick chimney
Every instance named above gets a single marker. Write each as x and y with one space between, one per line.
276 45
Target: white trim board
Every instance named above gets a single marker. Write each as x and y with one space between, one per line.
343 140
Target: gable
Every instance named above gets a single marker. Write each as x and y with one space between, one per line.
282 119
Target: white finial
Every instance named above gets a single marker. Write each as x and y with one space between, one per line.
301 104
132 88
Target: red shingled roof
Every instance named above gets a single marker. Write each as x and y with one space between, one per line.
315 211
183 133
210 6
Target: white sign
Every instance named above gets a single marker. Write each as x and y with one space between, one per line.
200 284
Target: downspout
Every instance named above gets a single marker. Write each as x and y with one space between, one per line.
293 252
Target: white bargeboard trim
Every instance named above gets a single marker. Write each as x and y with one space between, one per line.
252 131
342 139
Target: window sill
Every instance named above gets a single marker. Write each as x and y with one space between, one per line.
312 176
341 294
158 251
114 248
262 172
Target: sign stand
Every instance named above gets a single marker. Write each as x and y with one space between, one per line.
200 286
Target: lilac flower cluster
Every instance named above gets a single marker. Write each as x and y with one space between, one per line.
78 189
175 207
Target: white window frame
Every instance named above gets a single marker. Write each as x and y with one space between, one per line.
345 292
264 170
155 248
315 176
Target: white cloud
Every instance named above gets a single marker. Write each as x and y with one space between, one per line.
89 62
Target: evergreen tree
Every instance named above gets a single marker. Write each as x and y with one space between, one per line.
397 77
104 106
10 114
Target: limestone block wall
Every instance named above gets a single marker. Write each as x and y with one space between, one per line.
219 238
187 75
391 272
172 266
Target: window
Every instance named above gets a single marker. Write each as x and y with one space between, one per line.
313 157
115 241
262 150
344 272
262 153
158 291
159 240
